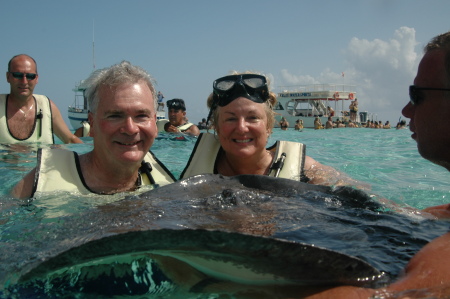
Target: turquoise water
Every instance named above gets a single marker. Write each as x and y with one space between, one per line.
386 159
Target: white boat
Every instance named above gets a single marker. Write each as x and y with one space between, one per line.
78 111
310 101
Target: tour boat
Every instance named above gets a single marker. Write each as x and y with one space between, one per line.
306 103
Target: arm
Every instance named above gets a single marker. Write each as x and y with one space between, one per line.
24 187
168 127
441 212
60 127
320 174
193 130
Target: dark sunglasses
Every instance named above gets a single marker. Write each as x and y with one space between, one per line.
176 104
19 75
251 86
415 96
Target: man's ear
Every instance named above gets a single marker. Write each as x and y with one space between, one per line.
91 123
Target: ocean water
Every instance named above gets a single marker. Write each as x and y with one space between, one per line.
387 160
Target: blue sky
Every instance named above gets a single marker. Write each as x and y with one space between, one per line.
185 45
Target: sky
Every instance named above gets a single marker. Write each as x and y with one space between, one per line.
186 45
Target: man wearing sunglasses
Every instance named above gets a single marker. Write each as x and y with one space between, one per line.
27 117
427 275
177 119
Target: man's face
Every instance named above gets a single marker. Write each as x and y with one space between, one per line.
176 116
124 125
429 117
23 87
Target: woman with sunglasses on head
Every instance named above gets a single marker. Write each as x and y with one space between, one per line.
243 119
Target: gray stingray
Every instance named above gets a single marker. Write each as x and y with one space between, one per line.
248 230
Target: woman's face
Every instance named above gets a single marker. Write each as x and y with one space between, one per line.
242 128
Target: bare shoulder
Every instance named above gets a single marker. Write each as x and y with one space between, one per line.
194 130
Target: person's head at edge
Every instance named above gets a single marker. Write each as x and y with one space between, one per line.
427 115
247 115
25 64
122 101
177 111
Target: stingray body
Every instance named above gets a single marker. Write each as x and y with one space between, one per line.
246 232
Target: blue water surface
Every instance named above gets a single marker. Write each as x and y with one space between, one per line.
385 159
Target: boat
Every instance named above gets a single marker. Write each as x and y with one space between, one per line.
78 111
306 103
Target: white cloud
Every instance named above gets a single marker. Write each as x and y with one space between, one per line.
381 70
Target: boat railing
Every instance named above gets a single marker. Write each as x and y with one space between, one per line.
317 87
77 109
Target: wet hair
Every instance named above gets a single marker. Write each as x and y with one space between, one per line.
268 105
441 42
121 73
10 61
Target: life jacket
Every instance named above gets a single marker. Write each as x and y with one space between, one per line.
185 127
206 151
42 130
59 170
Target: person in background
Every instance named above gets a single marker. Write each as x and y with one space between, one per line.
387 125
28 117
83 131
427 275
284 124
177 119
123 124
203 125
243 119
298 125
317 123
401 124
340 124
160 97
329 123
330 111
353 110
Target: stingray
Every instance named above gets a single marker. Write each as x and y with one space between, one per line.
212 233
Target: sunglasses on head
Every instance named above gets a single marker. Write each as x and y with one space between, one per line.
416 96
251 86
19 75
176 104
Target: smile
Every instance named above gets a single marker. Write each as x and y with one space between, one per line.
242 140
128 144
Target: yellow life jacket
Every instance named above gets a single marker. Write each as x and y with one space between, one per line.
42 130
206 151
59 170
184 127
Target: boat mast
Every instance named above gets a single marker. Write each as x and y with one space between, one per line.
93 43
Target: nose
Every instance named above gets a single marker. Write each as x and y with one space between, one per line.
23 79
129 127
408 110
242 125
